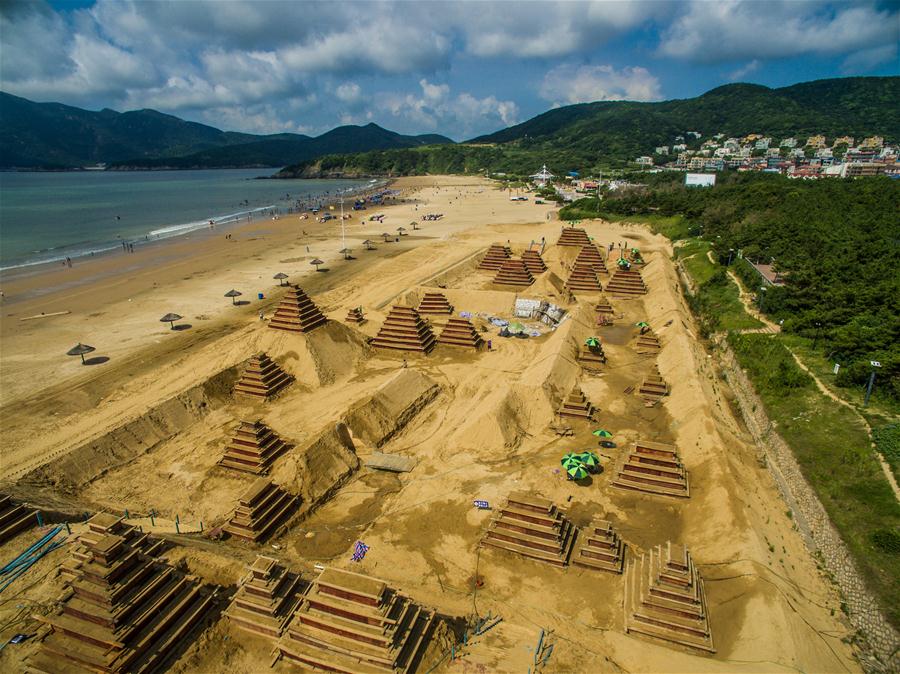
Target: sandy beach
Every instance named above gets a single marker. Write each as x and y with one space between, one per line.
143 429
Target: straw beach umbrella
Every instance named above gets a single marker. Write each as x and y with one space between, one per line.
316 262
346 253
280 277
414 225
400 230
79 350
368 244
232 294
387 237
170 318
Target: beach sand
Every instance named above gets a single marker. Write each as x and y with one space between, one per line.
144 430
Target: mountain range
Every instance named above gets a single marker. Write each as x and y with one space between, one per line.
57 136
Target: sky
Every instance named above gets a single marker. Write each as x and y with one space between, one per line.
457 68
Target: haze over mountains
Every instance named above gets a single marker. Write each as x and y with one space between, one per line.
52 135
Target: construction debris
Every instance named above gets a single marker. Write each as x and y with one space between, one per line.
14 517
390 462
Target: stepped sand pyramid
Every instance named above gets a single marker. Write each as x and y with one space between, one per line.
626 282
262 378
266 599
460 332
599 547
348 622
14 517
355 315
514 273
653 387
405 330
654 468
576 405
260 511
496 255
591 357
591 255
435 303
573 236
665 599
534 262
533 527
648 341
122 610
253 448
296 312
583 278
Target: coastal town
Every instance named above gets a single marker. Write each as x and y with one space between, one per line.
817 157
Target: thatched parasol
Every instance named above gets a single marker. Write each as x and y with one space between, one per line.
401 229
345 252
414 224
232 294
368 244
280 277
387 237
79 350
170 318
316 262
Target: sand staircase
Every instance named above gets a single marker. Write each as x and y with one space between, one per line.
122 610
495 257
534 262
583 278
576 405
355 315
665 598
573 236
653 387
591 255
514 273
599 547
533 527
266 599
260 511
351 623
654 468
591 358
460 332
253 448
262 378
628 283
405 330
14 517
435 303
647 342
296 312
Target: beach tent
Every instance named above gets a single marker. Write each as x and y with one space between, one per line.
232 294
79 350
170 318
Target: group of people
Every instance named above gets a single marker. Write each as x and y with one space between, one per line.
433 216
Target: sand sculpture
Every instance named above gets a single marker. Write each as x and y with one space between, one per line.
405 330
122 610
14 517
262 378
599 547
573 236
435 303
628 283
533 527
297 312
534 262
253 448
460 332
665 598
260 511
576 405
355 315
603 307
592 256
348 622
653 387
266 598
583 278
495 257
591 358
647 342
654 468
513 273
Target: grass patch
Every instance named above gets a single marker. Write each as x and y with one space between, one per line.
833 450
674 227
887 441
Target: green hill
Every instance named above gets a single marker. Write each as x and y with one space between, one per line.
53 135
610 134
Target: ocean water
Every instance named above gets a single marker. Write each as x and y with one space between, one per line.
46 217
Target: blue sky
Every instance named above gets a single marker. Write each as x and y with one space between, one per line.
457 68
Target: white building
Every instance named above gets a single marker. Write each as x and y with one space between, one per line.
789 142
798 152
662 149
681 147
644 161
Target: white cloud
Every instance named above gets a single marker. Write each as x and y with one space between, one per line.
734 30
867 59
349 92
566 84
744 70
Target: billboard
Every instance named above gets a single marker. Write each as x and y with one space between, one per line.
700 179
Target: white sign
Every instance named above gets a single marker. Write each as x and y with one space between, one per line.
837 366
700 179
875 363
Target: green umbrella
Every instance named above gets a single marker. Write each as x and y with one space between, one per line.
592 341
577 472
622 262
602 433
642 324
590 460
516 327
571 459
635 251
